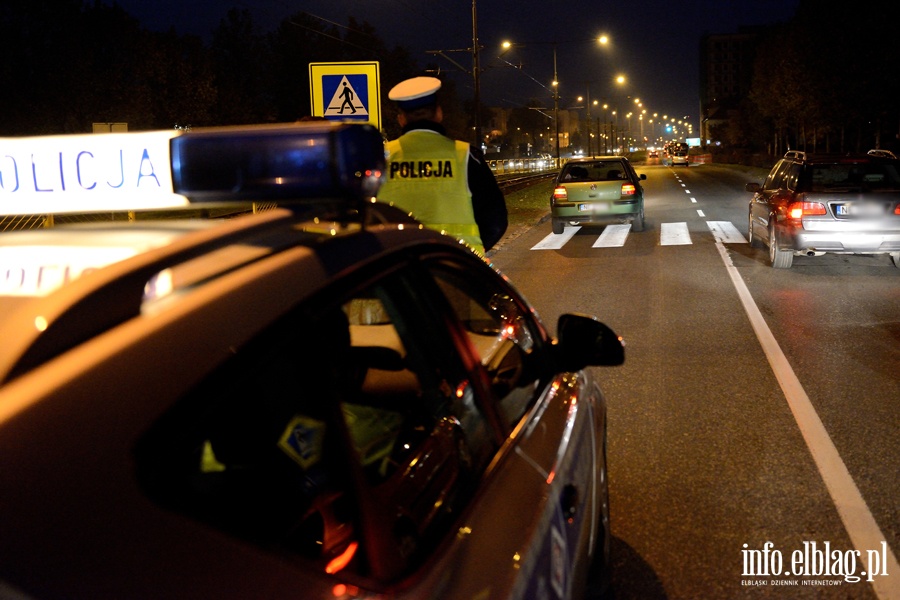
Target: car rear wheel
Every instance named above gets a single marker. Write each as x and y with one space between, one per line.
780 259
638 223
558 225
755 242
895 256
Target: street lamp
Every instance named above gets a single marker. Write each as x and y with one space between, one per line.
601 39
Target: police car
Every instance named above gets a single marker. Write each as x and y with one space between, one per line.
260 382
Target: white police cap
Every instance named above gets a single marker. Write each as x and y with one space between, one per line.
415 92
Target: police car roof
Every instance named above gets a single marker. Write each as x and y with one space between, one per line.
64 284
152 170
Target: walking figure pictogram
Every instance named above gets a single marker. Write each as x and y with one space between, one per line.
347 95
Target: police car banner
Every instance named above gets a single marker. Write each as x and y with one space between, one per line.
87 173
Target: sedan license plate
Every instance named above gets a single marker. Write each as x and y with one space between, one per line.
594 207
864 209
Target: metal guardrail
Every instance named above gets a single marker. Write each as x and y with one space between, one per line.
520 165
518 182
42 221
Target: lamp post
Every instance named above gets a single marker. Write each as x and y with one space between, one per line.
607 131
475 72
475 75
556 103
588 104
615 131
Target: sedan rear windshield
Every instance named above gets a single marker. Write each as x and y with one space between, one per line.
878 177
610 170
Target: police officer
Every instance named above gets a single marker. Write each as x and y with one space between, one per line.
445 184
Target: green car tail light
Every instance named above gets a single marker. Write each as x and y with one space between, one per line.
560 194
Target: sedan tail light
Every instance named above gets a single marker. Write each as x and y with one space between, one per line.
628 189
560 193
799 209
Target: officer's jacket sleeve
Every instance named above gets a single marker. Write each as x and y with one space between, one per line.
488 201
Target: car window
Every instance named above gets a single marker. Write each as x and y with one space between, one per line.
775 180
594 171
632 174
347 434
791 176
855 176
502 333
255 450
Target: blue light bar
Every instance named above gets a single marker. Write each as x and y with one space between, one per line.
154 170
298 162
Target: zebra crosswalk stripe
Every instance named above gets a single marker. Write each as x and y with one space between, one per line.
674 234
726 232
671 234
556 241
613 236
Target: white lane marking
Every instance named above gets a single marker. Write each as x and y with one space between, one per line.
671 234
854 512
555 241
674 234
726 232
700 213
687 191
613 236
694 200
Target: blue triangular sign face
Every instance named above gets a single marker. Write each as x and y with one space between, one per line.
349 96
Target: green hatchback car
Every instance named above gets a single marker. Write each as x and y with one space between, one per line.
598 191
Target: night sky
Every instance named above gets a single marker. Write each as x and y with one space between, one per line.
654 44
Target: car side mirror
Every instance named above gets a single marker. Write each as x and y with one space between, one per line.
752 187
643 176
584 341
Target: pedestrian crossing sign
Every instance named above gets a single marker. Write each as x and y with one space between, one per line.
347 91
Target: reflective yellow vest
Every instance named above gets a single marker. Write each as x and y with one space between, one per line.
426 176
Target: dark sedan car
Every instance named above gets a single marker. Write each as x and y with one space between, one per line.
595 191
815 204
292 391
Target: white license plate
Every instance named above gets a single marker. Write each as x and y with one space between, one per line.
594 207
859 210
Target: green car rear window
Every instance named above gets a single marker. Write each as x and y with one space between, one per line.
595 171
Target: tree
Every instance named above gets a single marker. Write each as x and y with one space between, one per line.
818 78
40 61
244 72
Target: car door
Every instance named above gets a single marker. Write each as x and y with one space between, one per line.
760 208
540 500
347 437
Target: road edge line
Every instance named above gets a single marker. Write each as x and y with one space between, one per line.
864 532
